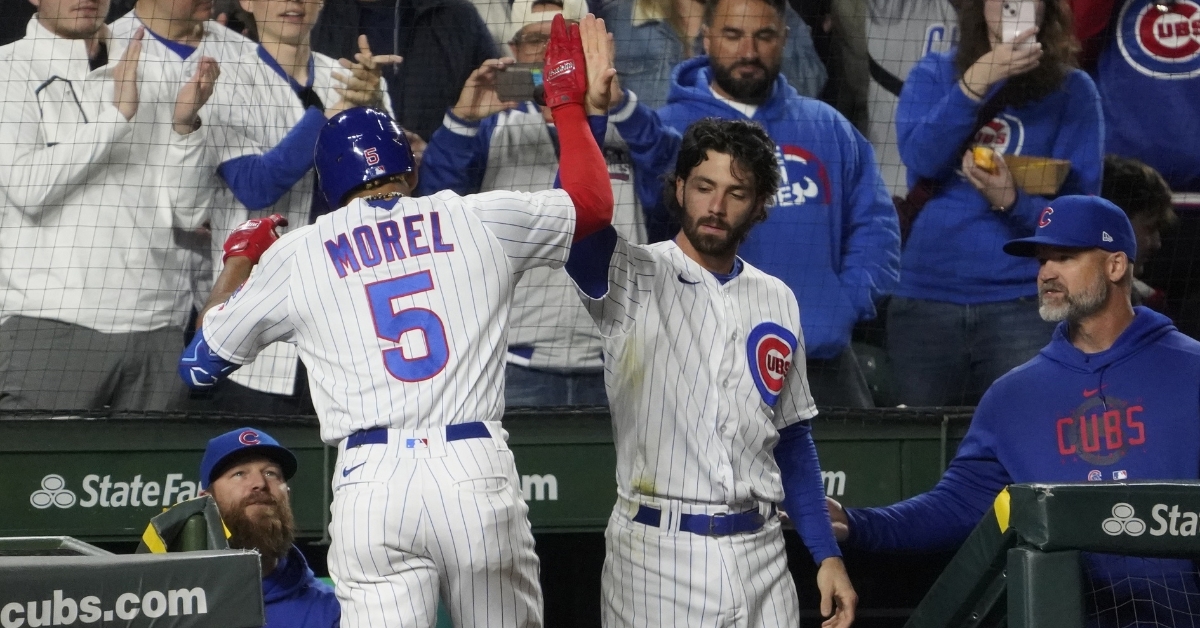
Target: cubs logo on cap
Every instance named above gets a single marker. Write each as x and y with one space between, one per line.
769 348
1161 40
221 450
1079 222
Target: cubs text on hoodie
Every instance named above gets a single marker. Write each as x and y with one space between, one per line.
1129 413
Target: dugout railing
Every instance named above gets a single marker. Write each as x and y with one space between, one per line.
102 478
1023 566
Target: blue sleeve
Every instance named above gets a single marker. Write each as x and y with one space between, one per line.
588 263
653 148
1080 140
199 367
801 64
934 117
259 181
456 157
942 518
871 231
599 127
804 491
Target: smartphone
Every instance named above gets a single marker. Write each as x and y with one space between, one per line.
519 82
1016 17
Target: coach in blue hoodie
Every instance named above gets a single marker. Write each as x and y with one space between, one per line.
1114 396
832 234
246 471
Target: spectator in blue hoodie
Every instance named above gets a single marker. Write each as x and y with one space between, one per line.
832 236
1112 397
965 313
246 472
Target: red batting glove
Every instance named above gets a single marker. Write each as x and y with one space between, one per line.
564 73
252 238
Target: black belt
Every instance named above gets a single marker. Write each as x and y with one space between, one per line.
722 524
379 435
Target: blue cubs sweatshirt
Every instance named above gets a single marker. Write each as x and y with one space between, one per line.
294 598
831 234
1149 76
1131 412
954 251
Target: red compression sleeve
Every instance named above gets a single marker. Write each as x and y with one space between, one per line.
582 171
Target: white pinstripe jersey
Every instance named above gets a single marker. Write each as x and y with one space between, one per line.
700 376
399 308
252 109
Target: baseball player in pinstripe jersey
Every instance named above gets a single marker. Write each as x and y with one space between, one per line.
399 307
705 375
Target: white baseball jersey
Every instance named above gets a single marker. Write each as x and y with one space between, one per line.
252 108
164 64
546 316
90 203
899 34
399 308
700 376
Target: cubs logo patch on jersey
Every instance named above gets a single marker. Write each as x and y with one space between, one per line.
802 177
769 349
1161 40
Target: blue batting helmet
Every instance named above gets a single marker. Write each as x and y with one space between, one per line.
358 146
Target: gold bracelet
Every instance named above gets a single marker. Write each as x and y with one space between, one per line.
970 91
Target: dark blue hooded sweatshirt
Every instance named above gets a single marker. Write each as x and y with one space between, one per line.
1129 413
831 232
294 598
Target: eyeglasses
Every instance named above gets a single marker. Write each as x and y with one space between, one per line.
531 42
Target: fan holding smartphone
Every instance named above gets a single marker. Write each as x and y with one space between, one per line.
498 137
1012 89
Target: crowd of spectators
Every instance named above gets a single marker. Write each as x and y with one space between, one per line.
130 149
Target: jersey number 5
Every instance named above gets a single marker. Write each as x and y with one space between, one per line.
391 325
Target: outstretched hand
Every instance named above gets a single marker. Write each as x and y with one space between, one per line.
564 73
838 519
252 238
598 55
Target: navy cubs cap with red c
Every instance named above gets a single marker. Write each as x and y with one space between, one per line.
1079 222
242 440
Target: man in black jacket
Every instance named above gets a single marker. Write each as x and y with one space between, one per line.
442 42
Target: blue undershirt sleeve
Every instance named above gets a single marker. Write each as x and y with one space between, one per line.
804 491
200 368
588 263
942 518
259 181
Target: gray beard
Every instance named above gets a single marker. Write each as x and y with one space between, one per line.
1076 307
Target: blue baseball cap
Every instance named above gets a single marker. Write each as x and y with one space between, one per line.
241 440
1079 222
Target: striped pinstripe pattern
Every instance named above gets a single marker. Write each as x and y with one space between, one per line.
412 524
693 431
